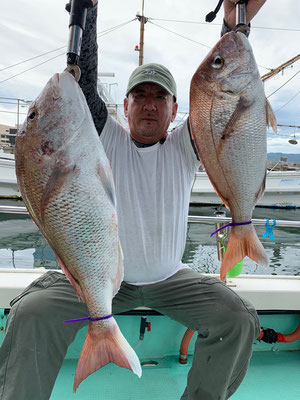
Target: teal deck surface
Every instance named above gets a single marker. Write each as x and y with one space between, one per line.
274 372
271 376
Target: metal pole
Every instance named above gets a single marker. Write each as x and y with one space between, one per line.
18 114
220 236
142 20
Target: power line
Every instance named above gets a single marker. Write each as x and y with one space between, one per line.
195 41
12 112
176 33
105 32
289 126
288 103
207 24
32 58
284 84
29 69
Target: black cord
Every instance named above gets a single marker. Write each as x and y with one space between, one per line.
212 15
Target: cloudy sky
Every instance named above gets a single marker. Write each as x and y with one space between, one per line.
175 35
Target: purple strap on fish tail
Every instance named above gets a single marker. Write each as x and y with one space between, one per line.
230 224
89 319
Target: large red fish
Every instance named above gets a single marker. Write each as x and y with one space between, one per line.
229 113
66 183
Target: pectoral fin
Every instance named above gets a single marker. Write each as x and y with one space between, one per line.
230 127
54 185
107 182
271 119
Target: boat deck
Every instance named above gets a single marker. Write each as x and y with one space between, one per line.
271 375
274 369
273 372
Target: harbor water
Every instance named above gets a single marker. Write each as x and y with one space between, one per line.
22 245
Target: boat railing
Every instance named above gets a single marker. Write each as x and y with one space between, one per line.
255 221
191 218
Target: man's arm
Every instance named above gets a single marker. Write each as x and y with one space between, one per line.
88 63
252 8
229 20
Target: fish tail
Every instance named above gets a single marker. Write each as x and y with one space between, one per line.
243 241
103 345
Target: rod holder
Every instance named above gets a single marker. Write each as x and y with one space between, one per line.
241 21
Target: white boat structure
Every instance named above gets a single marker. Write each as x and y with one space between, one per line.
282 190
8 179
167 353
282 187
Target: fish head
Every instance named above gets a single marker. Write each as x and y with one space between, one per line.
228 69
52 120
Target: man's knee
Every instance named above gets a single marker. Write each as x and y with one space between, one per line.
241 316
33 308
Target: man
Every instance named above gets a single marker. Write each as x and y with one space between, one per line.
153 175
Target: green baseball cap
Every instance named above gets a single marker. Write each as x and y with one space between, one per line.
153 73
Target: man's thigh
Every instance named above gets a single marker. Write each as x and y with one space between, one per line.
197 301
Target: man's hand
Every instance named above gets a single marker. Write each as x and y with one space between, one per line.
252 9
68 6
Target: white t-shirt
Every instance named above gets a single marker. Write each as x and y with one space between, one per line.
153 186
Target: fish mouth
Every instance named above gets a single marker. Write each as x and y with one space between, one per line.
55 85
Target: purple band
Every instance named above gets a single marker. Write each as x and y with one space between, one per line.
89 318
231 224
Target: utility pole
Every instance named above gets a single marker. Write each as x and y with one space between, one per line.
143 20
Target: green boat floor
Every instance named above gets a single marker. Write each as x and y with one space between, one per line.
271 376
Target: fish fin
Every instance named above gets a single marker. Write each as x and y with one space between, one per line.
230 126
105 344
54 186
243 241
224 201
71 278
107 181
261 189
120 272
271 119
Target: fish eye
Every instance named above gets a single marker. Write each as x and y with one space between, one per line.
218 62
32 114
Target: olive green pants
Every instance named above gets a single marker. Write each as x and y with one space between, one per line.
36 339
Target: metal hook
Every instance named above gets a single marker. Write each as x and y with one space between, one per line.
74 70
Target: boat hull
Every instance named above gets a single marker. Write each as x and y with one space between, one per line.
282 190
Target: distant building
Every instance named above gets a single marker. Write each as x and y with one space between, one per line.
7 136
284 159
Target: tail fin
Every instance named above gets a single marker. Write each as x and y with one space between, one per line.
242 242
105 344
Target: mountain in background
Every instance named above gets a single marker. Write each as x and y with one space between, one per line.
291 157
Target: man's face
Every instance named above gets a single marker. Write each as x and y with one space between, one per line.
149 109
